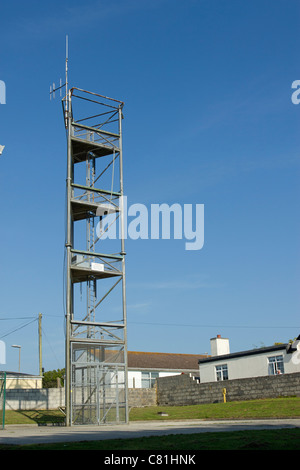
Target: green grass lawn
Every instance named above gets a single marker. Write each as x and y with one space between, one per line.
277 439
268 408
252 409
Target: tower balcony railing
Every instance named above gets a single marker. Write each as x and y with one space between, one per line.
99 128
92 135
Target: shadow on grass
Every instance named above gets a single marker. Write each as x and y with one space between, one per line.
42 417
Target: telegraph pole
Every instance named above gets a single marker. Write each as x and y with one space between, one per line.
40 345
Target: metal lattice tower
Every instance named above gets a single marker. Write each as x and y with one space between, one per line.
96 346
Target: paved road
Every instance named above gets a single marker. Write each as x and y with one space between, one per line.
33 434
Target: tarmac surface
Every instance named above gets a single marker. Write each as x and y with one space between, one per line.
34 434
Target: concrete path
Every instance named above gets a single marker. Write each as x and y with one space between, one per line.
34 434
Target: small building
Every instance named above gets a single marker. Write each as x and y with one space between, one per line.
272 360
145 367
19 380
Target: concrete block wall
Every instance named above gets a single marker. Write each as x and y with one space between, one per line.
35 399
184 390
52 398
139 397
174 390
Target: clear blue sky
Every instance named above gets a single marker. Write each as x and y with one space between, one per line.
208 120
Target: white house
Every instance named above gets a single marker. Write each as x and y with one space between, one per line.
145 367
221 365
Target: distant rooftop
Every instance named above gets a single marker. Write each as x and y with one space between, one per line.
18 374
169 361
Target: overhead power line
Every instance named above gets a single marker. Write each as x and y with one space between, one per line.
16 318
19 328
214 326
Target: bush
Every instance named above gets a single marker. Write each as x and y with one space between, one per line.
50 378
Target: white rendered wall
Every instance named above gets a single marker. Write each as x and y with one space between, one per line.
135 377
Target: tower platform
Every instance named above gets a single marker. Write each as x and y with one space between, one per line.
80 148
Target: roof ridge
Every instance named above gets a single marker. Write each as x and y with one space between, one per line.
172 354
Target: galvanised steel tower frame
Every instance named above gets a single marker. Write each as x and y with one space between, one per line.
96 339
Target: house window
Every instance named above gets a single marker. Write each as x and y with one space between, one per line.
222 372
148 379
276 365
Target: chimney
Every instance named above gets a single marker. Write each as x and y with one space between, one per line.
219 346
